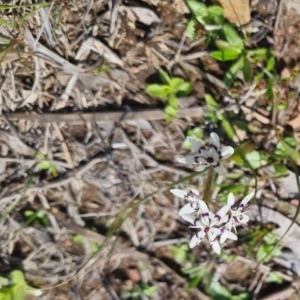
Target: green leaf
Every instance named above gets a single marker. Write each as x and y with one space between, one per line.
247 70
170 113
40 155
205 20
190 29
150 291
184 88
157 90
291 141
44 165
211 103
255 159
164 77
172 101
232 36
78 239
28 213
280 169
269 91
259 76
225 55
230 75
273 276
270 64
95 247
219 291
222 45
53 170
260 53
227 128
174 83
196 7
180 253
194 282
217 14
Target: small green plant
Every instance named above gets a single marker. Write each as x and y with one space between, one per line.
36 217
79 239
16 288
169 89
233 48
220 292
274 277
265 251
212 18
45 164
142 290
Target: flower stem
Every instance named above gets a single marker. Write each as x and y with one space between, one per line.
208 183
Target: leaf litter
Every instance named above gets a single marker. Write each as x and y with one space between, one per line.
73 87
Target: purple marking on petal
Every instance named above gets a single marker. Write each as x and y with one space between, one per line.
199 150
202 148
241 206
218 217
206 229
216 165
205 215
234 207
196 159
197 219
220 155
214 146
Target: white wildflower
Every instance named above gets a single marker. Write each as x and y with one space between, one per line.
193 196
208 155
237 214
209 224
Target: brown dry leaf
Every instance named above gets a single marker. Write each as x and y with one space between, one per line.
16 144
152 58
236 11
97 46
145 15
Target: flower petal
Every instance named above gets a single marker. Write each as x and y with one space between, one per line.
230 199
201 168
221 213
214 140
227 152
204 212
179 193
190 159
243 218
196 239
189 218
195 143
220 169
216 246
246 200
227 235
188 209
195 192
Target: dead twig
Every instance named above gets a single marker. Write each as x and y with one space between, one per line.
104 117
58 182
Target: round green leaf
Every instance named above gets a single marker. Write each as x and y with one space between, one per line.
185 88
196 7
217 14
157 90
174 83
